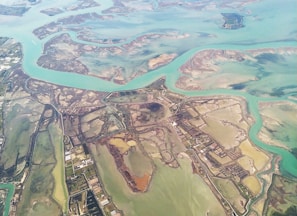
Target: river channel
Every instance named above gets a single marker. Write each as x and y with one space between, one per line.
10 188
262 21
171 72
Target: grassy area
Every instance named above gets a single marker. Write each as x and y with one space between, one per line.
44 149
253 184
46 179
281 196
69 171
19 124
224 134
36 195
260 158
17 140
172 191
60 193
93 128
247 163
120 144
231 193
149 146
221 160
231 114
258 207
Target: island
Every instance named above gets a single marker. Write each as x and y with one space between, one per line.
232 21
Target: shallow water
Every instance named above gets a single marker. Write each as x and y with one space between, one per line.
10 188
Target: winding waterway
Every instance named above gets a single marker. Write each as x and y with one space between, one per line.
33 49
259 33
171 71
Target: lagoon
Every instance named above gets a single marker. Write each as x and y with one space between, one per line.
258 33
268 24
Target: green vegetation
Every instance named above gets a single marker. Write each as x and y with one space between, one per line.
69 171
76 185
18 127
45 191
282 199
291 211
36 198
90 171
44 149
60 193
231 193
130 96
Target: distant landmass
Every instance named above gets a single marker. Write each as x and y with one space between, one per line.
232 21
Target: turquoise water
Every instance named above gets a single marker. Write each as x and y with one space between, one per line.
268 24
10 188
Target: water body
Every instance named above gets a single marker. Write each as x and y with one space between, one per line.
10 188
268 24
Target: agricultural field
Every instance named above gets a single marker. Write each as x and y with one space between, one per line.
225 134
253 184
231 193
224 121
260 159
121 144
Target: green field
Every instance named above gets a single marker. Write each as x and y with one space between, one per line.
60 193
172 192
19 124
44 149
231 193
36 198
45 191
17 142
284 191
224 134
